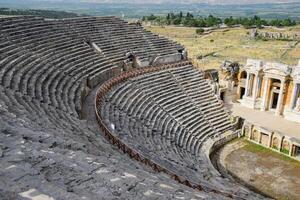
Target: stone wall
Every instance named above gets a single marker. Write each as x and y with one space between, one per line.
274 35
271 139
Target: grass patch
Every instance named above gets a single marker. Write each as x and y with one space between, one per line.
285 151
274 147
263 151
255 148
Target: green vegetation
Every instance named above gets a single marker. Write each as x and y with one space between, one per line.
258 149
255 148
39 13
189 20
285 151
199 31
258 22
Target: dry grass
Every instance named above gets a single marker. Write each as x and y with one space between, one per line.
233 44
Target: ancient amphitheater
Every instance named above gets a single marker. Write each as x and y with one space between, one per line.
96 108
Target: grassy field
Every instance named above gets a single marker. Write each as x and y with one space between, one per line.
231 44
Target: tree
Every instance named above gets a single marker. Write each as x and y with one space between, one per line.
190 20
189 15
177 21
229 21
180 15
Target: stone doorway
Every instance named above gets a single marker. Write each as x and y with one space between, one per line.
274 95
274 100
265 139
242 92
297 152
222 96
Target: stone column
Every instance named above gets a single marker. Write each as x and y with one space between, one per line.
291 149
255 87
247 85
280 99
259 85
259 137
270 140
280 144
265 94
294 96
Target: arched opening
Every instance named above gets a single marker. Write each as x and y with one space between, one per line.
222 95
246 131
264 139
275 89
243 77
285 146
275 143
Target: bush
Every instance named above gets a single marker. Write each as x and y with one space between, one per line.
199 31
211 40
199 57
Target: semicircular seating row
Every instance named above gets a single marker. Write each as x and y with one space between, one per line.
168 116
49 61
44 65
44 68
53 151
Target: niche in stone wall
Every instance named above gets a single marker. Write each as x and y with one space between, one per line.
285 146
255 135
275 143
246 131
264 139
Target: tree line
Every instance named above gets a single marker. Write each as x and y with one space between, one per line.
190 20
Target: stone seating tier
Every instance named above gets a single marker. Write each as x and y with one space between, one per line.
46 69
168 116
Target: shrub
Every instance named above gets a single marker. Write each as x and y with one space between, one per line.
199 31
199 57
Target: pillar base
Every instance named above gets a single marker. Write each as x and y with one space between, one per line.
263 109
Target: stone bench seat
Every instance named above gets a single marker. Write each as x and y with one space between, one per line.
183 164
155 142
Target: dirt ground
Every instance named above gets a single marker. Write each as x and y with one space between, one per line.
269 172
